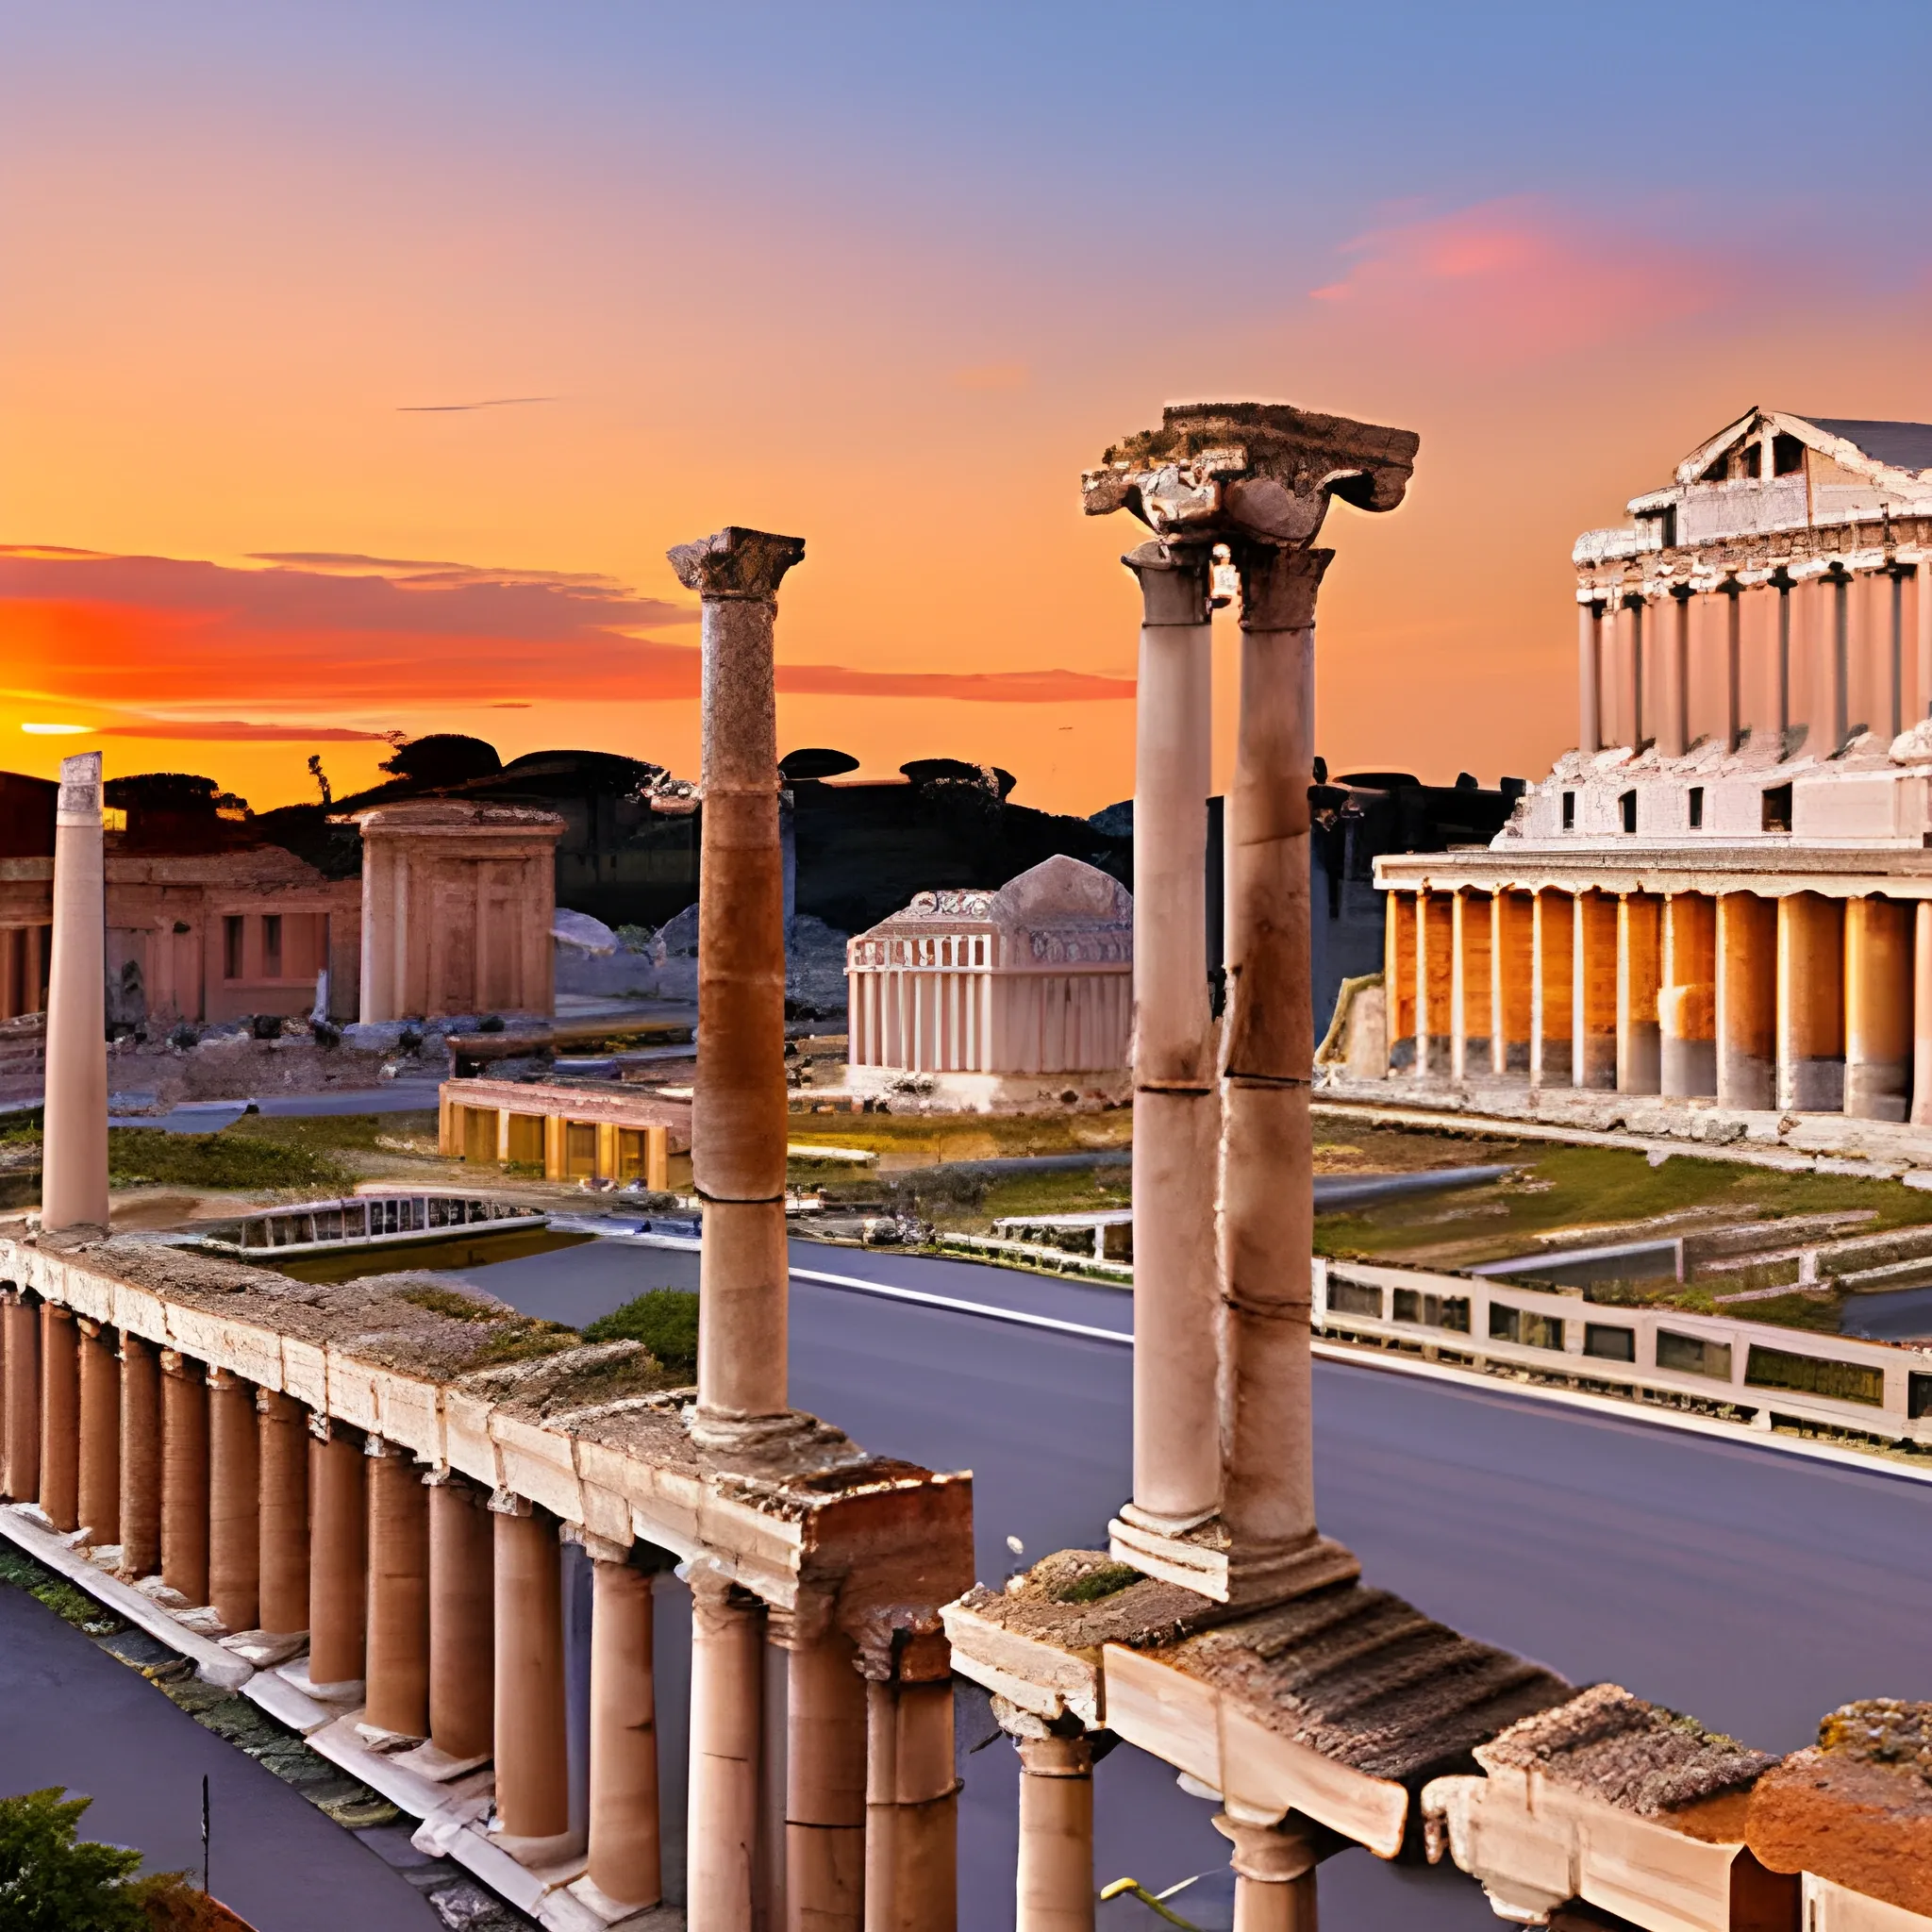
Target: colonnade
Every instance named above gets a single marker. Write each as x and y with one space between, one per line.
1800 1001
1838 619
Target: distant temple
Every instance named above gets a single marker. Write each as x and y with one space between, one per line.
998 997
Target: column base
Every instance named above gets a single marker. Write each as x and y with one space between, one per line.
438 1767
348 1694
615 1913
1201 1560
265 1649
535 1854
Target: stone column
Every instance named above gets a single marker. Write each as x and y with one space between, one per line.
74 1180
1921 632
1267 1067
1593 994
1512 965
1676 741
462 1616
1552 985
1176 1106
1811 1004
233 1501
1895 649
1734 664
1781 582
100 1434
625 1859
282 1463
1638 1045
1398 969
1435 983
1630 702
60 1418
727 1726
184 1477
1589 675
1472 991
397 1667
1921 1007
1687 1003
532 1749
338 1555
1878 1008
1746 1001
912 1795
738 1129
1273 1875
1056 1891
1838 656
23 1323
825 1789
140 1458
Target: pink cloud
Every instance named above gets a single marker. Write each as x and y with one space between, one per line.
1520 275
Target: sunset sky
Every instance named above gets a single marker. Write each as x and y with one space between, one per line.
887 277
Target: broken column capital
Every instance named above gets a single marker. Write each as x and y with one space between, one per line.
736 563
80 802
1175 582
1272 1854
1279 584
1267 470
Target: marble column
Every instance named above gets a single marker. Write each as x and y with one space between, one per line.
1782 583
911 1795
1274 1876
462 1616
1921 1009
74 1181
1674 611
1878 1008
184 1477
1895 649
100 1434
140 1458
338 1555
1837 619
397 1665
625 1856
825 1789
23 1322
1589 676
1512 983
1811 1004
59 1418
532 1749
1471 993
1055 1890
1552 985
1746 1022
738 1129
234 1504
1435 983
726 1730
1733 595
1593 994
282 1526
1398 969
1922 633
1687 1001
1638 1069
1177 1108
1631 627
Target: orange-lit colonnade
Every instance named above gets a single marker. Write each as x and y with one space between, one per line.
1804 988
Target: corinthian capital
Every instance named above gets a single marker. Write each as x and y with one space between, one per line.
1279 584
736 563
1176 580
1221 471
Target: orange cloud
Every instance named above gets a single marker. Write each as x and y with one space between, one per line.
1518 276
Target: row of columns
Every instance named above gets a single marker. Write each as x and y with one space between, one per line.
1843 617
1802 1002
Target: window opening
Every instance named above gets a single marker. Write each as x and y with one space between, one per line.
1627 806
1697 807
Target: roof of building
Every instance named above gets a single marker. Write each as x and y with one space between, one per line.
1058 893
1900 446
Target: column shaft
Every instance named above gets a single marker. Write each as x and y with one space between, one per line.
1512 966
727 1723
1733 668
337 1556
1782 666
1435 983
1589 707
532 1751
1811 1004
59 1418
74 1181
1746 1001
1056 1872
911 1807
1922 1008
282 1524
1922 634
1878 1008
625 1859
461 1618
1176 1108
100 1434
184 1477
397 1669
1638 1045
22 1321
1398 974
140 1458
233 1507
1838 659
825 1794
1593 991
1895 650
1677 711
1687 1003
1552 985
1631 725
1473 993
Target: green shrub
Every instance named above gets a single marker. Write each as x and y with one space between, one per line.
665 1320
136 1155
53 1880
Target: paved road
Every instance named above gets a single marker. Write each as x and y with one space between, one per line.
72 1715
1750 1586
211 1116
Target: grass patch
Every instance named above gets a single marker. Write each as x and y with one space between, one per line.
1109 1580
522 1339
147 1156
340 1133
665 1320
71 1605
458 1307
